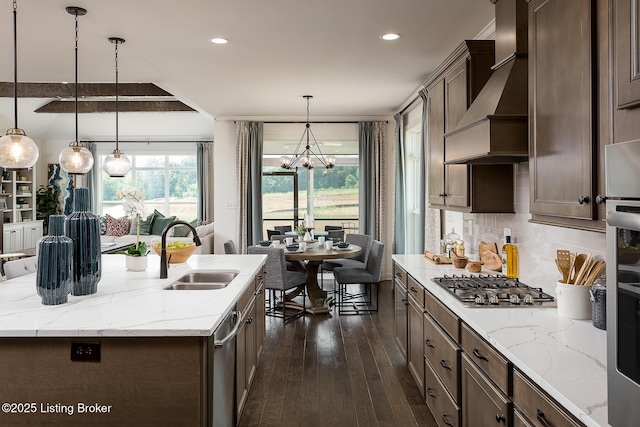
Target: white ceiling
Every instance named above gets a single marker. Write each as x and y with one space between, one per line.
278 50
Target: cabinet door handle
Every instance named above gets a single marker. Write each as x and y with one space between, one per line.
431 393
601 200
583 200
414 289
445 418
443 363
540 416
500 418
428 343
398 274
477 354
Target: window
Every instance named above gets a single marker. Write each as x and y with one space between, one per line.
334 192
169 182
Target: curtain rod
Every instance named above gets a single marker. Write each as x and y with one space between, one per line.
145 142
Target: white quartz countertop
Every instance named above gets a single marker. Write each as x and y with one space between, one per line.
128 303
566 358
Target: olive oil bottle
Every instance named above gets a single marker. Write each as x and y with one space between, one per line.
509 257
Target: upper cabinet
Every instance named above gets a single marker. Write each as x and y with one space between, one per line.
565 185
450 91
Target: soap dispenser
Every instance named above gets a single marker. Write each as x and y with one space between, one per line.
509 256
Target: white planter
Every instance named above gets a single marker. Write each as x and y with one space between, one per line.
136 263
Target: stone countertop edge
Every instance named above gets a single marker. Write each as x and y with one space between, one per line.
127 303
566 358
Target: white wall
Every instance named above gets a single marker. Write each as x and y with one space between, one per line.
225 205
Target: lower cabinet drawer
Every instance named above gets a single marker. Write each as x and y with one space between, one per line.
442 315
494 365
536 406
444 409
482 403
443 355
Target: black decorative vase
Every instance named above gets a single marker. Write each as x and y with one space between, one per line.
83 228
55 264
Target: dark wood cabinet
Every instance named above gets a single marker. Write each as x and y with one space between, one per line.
627 53
563 113
482 402
450 91
400 304
246 348
415 350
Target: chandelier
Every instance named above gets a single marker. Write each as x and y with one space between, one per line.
76 159
306 156
17 150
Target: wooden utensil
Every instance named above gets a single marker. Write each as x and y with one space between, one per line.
595 272
577 265
563 260
586 266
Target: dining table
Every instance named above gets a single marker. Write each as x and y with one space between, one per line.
314 255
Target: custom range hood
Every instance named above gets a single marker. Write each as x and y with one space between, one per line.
494 129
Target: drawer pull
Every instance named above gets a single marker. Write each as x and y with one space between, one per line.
414 289
428 343
445 418
398 274
431 393
477 354
500 418
543 420
443 363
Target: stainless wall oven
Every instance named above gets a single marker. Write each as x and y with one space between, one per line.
623 283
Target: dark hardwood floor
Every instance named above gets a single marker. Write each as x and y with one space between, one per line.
331 370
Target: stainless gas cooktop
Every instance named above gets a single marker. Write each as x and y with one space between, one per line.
494 291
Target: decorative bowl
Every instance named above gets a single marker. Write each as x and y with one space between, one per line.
176 255
459 262
265 243
343 245
293 248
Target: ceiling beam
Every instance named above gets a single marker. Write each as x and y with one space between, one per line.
86 90
110 106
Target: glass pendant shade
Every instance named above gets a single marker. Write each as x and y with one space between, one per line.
76 159
117 165
17 150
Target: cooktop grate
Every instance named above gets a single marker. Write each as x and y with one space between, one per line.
494 291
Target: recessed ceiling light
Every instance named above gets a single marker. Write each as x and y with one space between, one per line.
219 40
390 36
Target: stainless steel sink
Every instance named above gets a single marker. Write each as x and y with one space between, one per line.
203 280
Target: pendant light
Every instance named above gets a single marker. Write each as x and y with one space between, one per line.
76 159
116 164
17 150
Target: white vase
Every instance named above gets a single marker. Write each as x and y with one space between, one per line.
136 263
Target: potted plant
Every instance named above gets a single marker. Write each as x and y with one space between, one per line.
133 203
300 231
46 205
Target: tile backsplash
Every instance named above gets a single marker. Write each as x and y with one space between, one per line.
537 243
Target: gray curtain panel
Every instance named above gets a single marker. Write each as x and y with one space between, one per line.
204 161
373 205
249 170
401 209
93 177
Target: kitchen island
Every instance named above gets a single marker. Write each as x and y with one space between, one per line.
563 357
155 346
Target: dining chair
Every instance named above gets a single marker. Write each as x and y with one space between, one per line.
278 238
230 247
271 233
366 300
279 280
283 228
334 232
362 240
20 267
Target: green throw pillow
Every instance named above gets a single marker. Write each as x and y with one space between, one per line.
159 223
183 230
145 225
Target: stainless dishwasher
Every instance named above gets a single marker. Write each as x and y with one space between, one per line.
224 357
